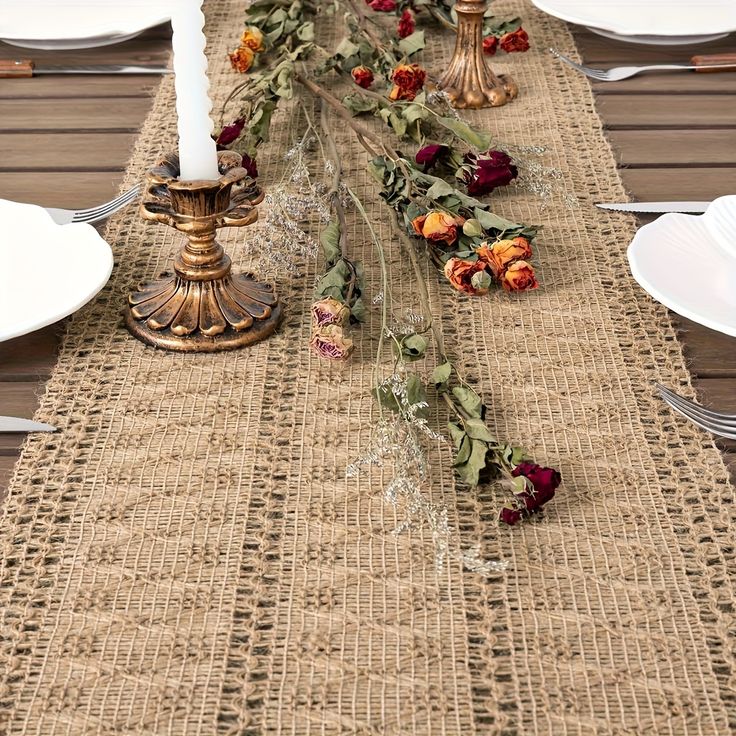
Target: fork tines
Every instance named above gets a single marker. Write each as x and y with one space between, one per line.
723 425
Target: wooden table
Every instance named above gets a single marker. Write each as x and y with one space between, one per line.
65 142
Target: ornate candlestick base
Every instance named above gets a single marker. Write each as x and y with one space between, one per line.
469 81
202 306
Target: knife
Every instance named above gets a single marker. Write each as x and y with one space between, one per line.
10 68
12 424
655 206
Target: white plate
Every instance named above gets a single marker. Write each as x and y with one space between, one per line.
688 263
78 24
47 271
659 40
647 17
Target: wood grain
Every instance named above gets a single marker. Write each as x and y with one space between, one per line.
674 135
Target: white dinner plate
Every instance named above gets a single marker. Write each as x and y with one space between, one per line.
692 18
688 263
47 271
78 24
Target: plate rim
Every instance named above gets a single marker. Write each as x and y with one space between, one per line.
623 31
34 325
656 294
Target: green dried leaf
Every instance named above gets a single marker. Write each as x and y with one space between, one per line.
413 43
477 429
359 311
347 48
457 433
489 221
412 347
470 471
475 138
472 228
330 240
469 400
463 453
441 375
440 188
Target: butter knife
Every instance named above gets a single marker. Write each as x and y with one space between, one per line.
10 68
13 424
655 206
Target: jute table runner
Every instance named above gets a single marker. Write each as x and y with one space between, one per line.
186 556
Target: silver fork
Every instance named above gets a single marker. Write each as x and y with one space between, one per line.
724 425
94 214
624 72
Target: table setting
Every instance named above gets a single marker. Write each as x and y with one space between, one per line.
379 402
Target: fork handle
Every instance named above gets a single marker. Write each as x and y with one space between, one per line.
15 68
714 62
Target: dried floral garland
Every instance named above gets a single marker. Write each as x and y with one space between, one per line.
431 195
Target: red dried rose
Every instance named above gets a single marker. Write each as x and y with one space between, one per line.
383 6
407 24
230 132
431 155
362 76
494 169
545 482
408 79
518 40
490 45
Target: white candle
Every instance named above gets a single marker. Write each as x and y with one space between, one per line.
197 150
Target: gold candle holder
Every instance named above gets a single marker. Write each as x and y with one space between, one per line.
202 306
469 81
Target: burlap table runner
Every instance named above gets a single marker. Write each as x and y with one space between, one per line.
186 556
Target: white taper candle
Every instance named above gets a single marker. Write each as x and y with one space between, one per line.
197 150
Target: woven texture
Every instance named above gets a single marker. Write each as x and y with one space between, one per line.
185 556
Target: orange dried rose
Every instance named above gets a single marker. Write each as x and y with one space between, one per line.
467 276
252 38
439 227
519 276
408 79
242 58
501 254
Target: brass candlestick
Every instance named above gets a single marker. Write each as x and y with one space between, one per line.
202 306
469 81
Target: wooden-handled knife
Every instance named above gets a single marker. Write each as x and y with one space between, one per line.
24 68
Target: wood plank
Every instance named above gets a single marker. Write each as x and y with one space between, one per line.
723 83
97 86
691 183
122 114
709 354
677 147
55 189
30 357
666 111
595 49
65 151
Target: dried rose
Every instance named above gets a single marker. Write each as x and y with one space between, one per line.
501 254
242 58
407 24
250 165
362 76
382 6
431 155
516 41
519 276
230 133
408 80
462 275
329 311
438 227
545 482
329 342
252 38
493 169
490 45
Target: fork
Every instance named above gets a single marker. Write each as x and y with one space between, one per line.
94 214
723 425
711 62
